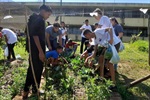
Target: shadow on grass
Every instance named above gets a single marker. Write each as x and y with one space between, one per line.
138 92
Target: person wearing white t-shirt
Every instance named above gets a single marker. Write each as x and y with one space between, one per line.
83 28
104 22
11 39
64 33
102 37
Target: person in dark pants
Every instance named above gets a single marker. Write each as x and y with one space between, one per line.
84 27
51 36
11 51
11 39
36 26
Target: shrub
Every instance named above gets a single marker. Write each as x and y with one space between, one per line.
140 45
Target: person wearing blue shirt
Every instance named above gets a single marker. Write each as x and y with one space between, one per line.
119 32
52 56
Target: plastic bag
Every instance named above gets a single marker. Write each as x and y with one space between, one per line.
121 48
108 53
18 56
6 52
115 58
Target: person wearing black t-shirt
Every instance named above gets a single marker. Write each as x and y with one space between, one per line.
88 51
36 29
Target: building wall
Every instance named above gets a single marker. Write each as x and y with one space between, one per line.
71 20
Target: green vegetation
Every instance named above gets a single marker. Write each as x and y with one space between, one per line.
134 65
64 80
74 79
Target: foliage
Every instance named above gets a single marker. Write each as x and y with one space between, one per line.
135 37
140 45
64 79
19 75
18 80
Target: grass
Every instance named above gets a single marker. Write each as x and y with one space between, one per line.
133 65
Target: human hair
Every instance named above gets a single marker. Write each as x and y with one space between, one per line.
87 31
1 28
70 40
99 11
95 24
59 47
114 19
46 8
62 22
56 25
86 42
86 20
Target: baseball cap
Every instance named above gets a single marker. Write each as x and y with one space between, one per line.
96 12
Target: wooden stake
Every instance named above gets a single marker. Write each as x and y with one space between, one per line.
137 81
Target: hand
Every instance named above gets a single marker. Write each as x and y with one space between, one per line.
87 59
81 56
42 56
50 48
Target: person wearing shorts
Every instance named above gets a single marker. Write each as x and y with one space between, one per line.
101 37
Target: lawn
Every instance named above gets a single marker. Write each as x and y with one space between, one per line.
133 65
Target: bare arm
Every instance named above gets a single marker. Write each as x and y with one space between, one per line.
120 34
60 40
48 41
93 55
83 54
65 33
111 35
82 29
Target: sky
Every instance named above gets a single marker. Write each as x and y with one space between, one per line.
94 1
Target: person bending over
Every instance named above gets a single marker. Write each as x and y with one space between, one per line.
52 56
102 36
88 52
70 48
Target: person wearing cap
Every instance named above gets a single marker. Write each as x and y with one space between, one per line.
52 32
70 48
104 22
36 29
83 39
119 33
64 33
101 36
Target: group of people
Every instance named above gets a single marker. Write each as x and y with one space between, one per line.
40 36
107 31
